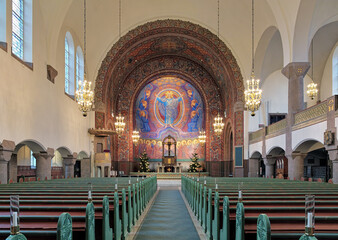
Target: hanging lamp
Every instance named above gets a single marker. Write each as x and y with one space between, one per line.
84 95
253 94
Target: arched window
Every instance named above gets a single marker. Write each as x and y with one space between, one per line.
22 29
33 161
69 64
3 24
79 66
335 72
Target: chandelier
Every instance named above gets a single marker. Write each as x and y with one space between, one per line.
136 137
312 90
202 137
119 124
253 94
218 124
84 95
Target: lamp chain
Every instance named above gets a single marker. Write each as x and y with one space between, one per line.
84 37
218 19
253 39
120 18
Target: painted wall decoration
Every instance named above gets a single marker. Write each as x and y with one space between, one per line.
169 106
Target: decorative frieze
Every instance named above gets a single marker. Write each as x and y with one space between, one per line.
311 113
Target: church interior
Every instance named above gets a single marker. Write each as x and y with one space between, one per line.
144 119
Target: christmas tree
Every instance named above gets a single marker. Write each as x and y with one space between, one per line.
194 166
144 164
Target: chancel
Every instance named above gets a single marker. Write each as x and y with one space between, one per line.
144 119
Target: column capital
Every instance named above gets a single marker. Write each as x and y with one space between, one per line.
69 160
298 154
269 160
45 154
295 69
6 150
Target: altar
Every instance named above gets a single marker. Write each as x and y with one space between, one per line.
169 157
169 169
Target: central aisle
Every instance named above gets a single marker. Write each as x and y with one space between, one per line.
168 218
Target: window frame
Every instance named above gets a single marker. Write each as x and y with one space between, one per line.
19 36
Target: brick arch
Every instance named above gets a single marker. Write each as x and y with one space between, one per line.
174 46
198 43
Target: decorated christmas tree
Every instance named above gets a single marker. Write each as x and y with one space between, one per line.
194 166
144 164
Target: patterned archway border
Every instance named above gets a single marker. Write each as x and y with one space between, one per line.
224 66
124 58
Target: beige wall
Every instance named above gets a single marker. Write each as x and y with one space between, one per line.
24 156
57 160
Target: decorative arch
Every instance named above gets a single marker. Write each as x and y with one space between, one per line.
256 155
34 145
308 145
170 47
82 155
64 151
275 151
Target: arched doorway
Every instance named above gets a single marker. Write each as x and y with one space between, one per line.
229 151
170 48
280 162
256 165
310 160
32 160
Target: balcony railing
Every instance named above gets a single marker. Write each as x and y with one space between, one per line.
309 116
319 110
276 127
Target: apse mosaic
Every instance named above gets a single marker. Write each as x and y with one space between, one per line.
169 106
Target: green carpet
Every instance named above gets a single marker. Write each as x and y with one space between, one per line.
168 218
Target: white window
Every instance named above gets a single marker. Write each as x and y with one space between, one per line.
335 72
2 21
79 66
33 161
22 29
69 64
17 28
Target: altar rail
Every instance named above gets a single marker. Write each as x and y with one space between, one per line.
170 175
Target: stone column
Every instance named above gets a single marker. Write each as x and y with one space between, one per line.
269 166
13 168
253 167
85 168
295 72
43 164
6 150
69 163
296 165
333 155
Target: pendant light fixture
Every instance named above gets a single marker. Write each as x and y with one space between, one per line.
253 94
84 95
312 90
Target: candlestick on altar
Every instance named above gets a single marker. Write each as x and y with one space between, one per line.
309 215
14 213
240 196
90 188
